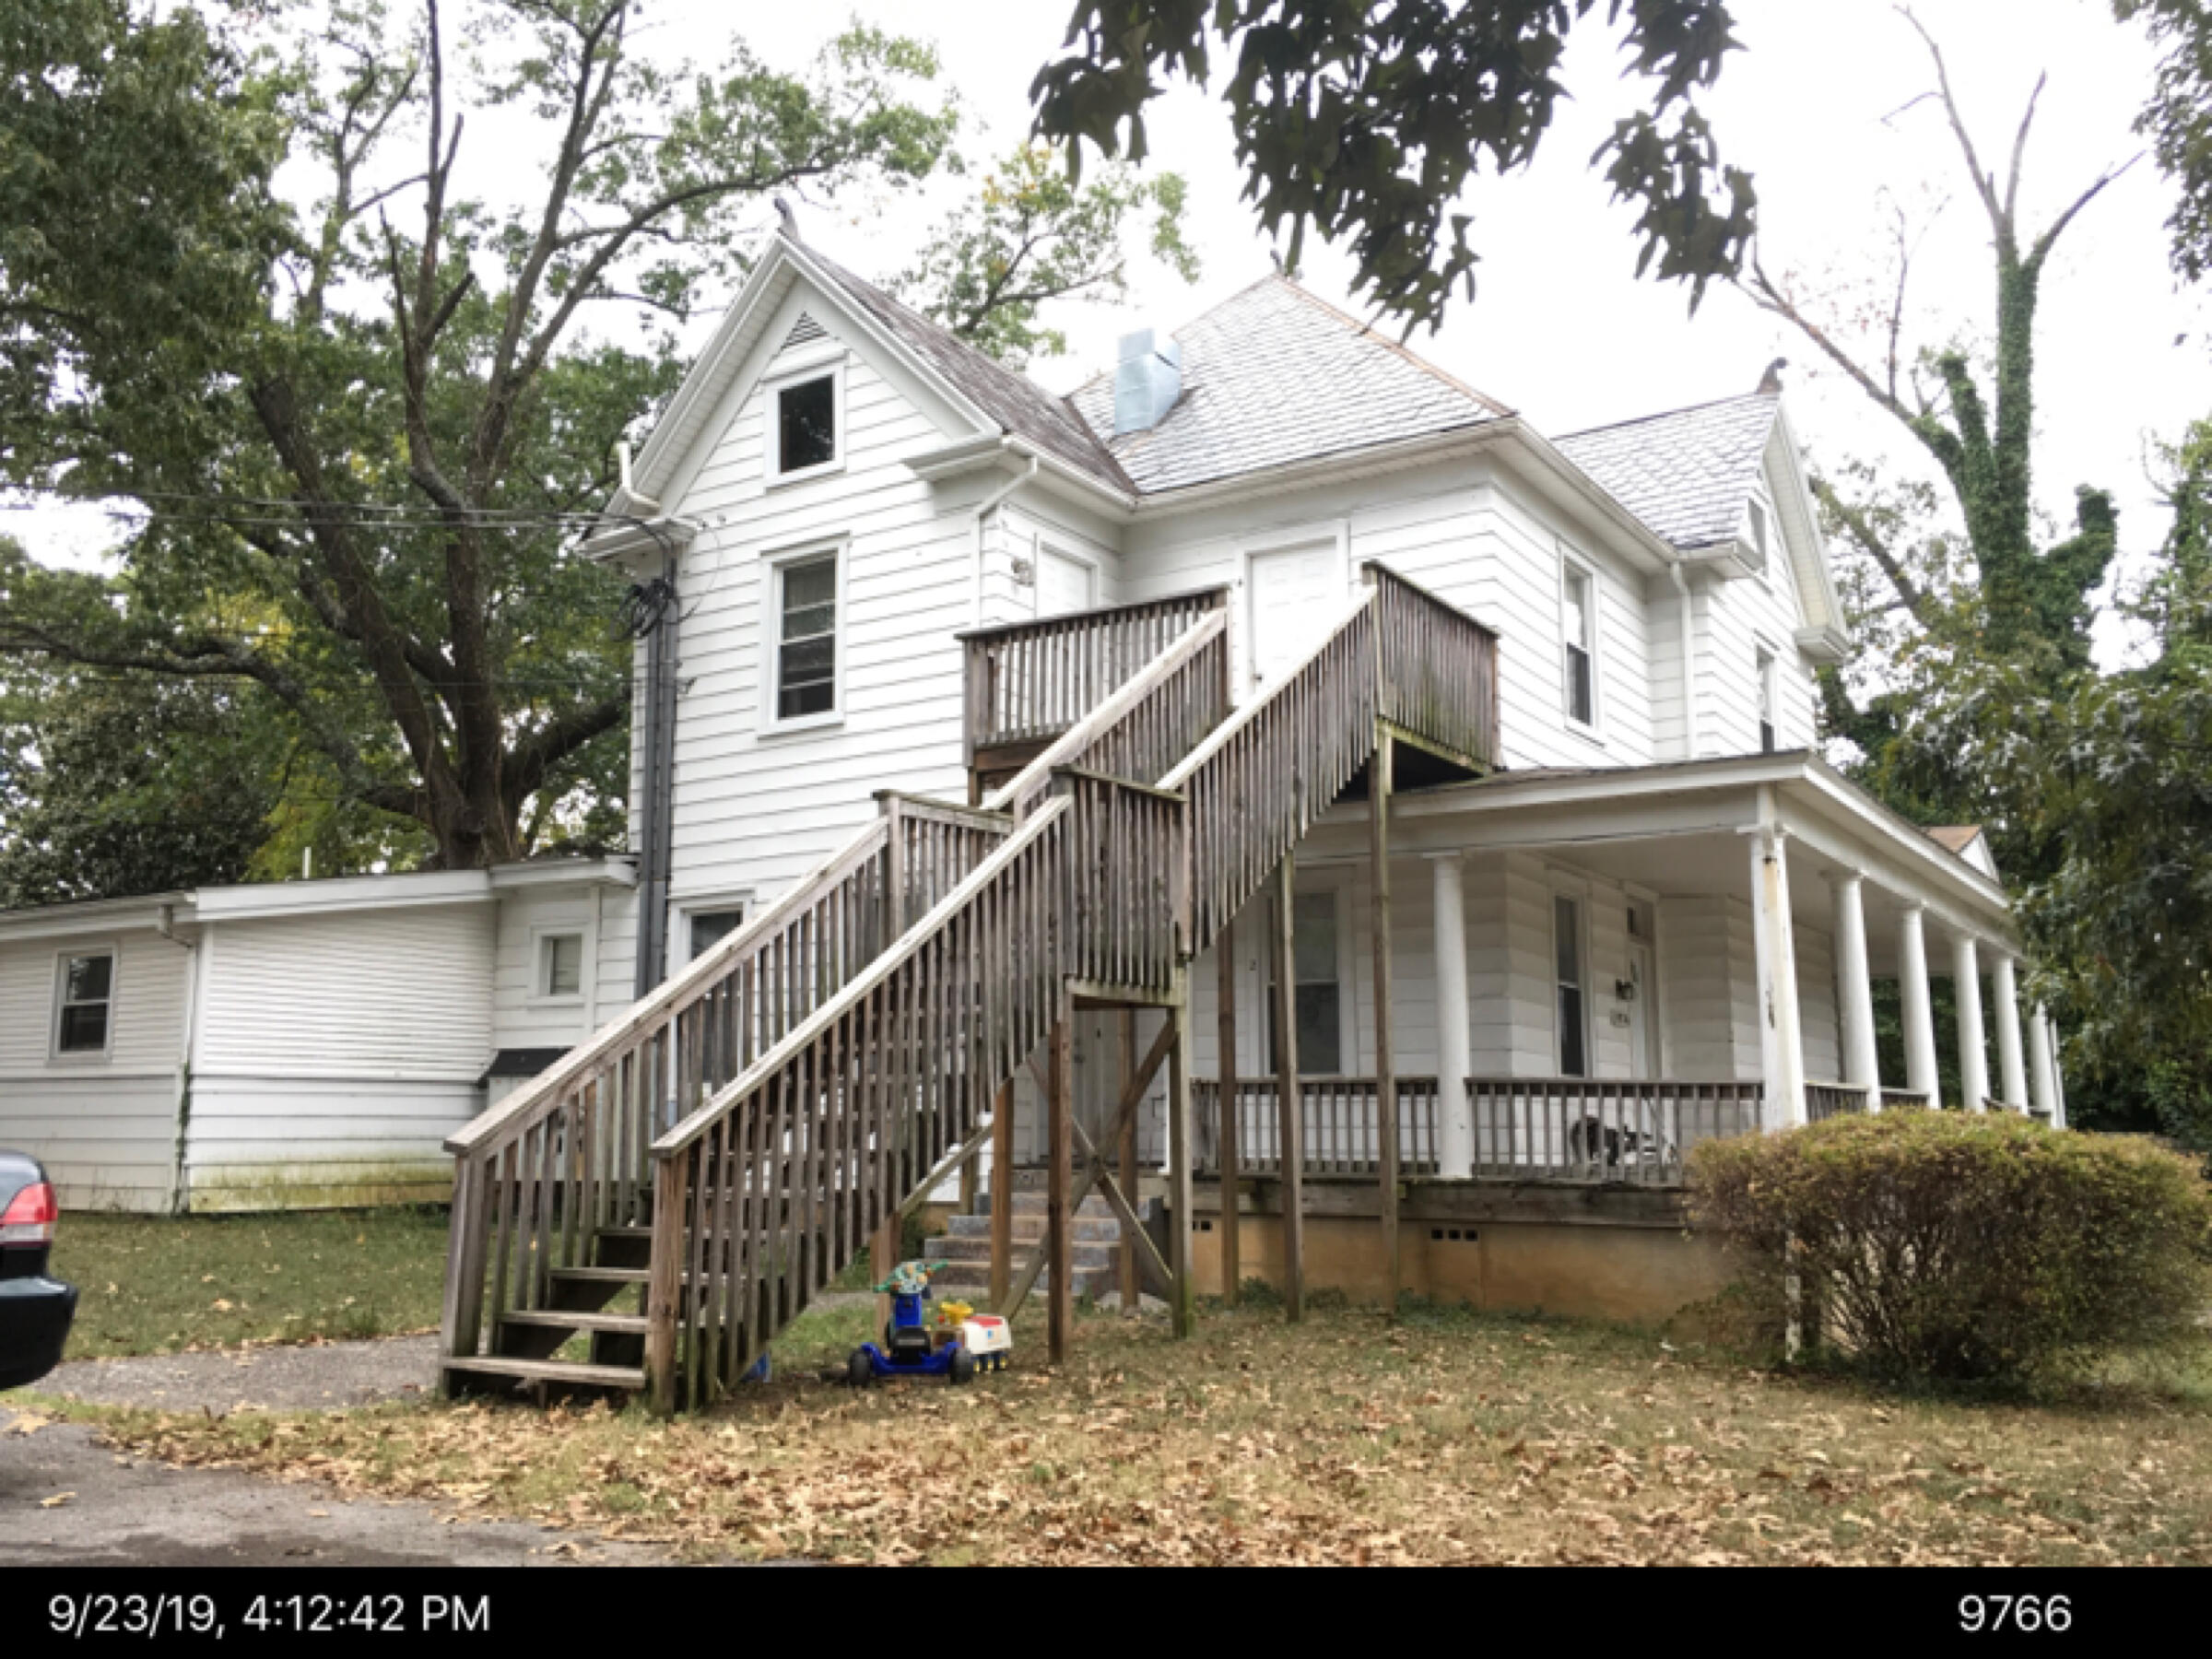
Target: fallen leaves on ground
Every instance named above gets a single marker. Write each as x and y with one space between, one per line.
1448 1438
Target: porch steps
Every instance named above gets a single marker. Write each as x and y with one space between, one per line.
966 1246
503 1366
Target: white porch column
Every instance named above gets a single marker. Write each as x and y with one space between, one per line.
2012 1071
1455 1118
1781 1032
1861 1057
2045 1098
1922 1075
2058 1082
1973 1041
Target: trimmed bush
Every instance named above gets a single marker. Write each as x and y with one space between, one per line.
1949 1245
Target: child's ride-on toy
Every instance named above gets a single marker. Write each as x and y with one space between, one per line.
910 1348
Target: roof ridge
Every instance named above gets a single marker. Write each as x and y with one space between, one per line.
1399 346
1695 408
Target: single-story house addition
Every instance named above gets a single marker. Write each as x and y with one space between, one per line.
294 1045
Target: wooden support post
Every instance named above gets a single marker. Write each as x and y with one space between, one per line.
1180 1151
1290 1107
1060 1259
1002 1194
1230 1224
883 1256
664 1282
1386 1068
1131 1289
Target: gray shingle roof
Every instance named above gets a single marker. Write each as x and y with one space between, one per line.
1275 376
1019 405
1685 474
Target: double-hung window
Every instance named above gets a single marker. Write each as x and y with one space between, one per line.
1567 943
1317 990
1579 621
84 1005
803 669
561 965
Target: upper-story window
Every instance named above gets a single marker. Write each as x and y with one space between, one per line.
806 426
84 1003
804 667
1760 531
1770 703
1579 622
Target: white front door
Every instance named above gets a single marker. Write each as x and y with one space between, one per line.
1294 594
1065 586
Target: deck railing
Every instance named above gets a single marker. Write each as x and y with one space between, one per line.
1824 1100
1897 1099
1340 1118
1603 1132
1030 681
1440 669
569 1155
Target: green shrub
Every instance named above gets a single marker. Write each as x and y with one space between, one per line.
1949 1245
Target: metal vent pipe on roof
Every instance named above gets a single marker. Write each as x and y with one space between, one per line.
1147 381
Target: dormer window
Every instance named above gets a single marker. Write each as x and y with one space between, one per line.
806 426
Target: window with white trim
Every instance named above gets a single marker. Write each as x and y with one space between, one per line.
803 669
806 420
1578 591
1317 989
1770 703
561 964
1759 532
84 1004
1573 996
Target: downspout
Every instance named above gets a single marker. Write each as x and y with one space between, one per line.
656 810
165 924
1686 608
985 509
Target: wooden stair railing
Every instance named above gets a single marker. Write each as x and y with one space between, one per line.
567 1157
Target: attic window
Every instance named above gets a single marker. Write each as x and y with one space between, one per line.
1759 532
1769 703
804 427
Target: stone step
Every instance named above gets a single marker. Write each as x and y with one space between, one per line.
1029 1224
1028 1202
1084 1254
971 1282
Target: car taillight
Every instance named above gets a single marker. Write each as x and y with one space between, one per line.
30 1219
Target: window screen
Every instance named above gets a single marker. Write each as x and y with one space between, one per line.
806 425
709 928
87 989
564 965
1566 928
806 654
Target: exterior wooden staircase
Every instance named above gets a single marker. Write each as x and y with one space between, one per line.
718 1154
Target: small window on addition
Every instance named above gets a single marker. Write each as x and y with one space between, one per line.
709 928
87 991
807 426
562 974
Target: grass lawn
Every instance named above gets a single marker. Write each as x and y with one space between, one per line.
157 1284
1450 1437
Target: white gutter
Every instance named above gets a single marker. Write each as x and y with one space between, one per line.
983 510
1688 610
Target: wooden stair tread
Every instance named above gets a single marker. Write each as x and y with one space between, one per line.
568 1320
551 1371
604 1275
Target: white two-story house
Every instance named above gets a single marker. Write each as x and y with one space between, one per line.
1628 907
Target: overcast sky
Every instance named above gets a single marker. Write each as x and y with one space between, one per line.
1560 329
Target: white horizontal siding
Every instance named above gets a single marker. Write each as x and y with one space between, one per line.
398 993
300 1143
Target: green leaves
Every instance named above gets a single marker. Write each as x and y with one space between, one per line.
1033 235
1369 123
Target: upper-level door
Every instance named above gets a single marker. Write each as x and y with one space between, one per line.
1293 593
1065 586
